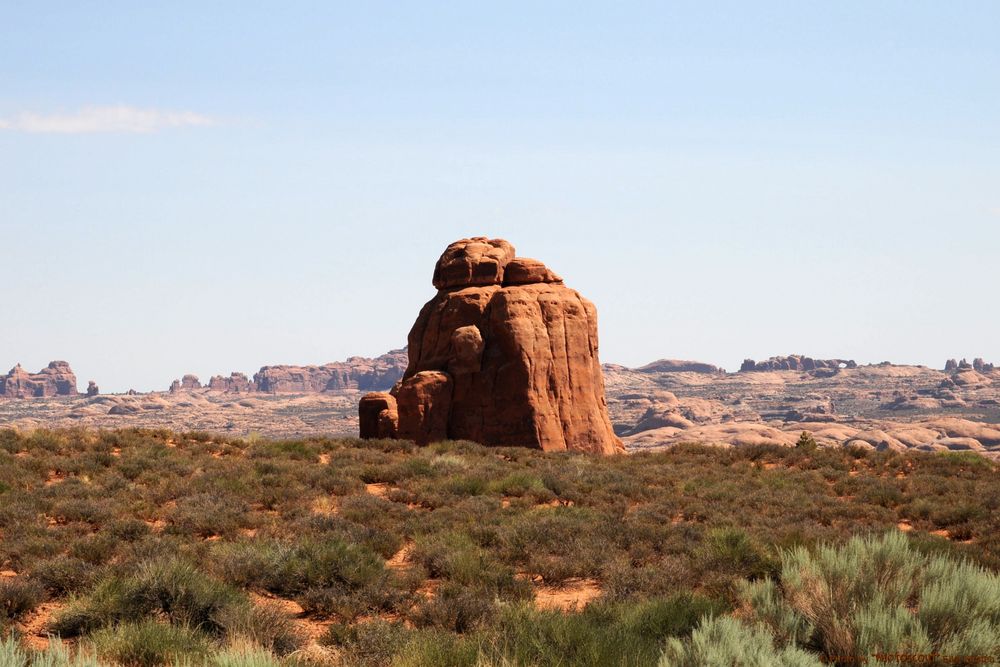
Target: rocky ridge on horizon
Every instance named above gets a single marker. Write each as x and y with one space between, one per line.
355 373
795 362
652 406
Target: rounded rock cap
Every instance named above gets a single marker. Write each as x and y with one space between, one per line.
474 262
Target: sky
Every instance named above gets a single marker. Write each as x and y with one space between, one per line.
209 187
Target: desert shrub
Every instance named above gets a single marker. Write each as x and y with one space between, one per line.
466 485
95 549
265 625
806 442
295 450
328 576
384 540
879 628
456 608
64 574
957 513
244 656
455 557
879 492
860 597
732 553
624 581
958 602
559 543
290 569
12 654
520 484
97 512
602 634
763 601
127 529
371 644
55 654
438 648
207 514
725 642
149 644
19 596
171 588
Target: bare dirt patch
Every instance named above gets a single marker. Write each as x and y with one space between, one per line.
401 559
571 594
380 489
35 626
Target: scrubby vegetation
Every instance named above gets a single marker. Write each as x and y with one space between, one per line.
149 547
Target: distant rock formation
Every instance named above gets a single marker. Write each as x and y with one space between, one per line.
356 373
236 383
795 362
678 366
56 379
977 365
187 383
359 373
504 354
981 366
92 389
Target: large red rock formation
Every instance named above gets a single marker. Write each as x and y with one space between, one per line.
56 379
504 354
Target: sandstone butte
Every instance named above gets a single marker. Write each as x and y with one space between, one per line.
504 354
56 379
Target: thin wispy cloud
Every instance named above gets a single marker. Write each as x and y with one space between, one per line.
119 119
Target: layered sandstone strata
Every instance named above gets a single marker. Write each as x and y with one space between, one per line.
504 354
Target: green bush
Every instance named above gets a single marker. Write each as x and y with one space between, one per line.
263 625
64 574
602 634
149 644
371 644
861 597
434 648
207 514
456 608
734 553
170 588
12 654
18 596
725 642
244 656
806 442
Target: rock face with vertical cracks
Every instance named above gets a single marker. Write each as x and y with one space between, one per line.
504 354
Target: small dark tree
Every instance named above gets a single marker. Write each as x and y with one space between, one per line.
806 442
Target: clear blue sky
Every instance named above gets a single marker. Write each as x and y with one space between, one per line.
207 187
